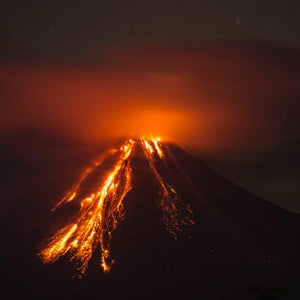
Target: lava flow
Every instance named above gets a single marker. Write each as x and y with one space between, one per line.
101 210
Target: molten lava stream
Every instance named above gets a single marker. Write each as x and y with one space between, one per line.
73 192
99 215
176 214
102 210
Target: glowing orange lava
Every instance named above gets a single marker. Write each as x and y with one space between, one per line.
176 214
101 211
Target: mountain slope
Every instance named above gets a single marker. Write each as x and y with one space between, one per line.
240 246
238 239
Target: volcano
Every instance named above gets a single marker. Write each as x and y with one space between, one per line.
147 219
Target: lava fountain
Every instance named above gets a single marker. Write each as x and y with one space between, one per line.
102 209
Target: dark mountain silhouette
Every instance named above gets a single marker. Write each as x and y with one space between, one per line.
241 247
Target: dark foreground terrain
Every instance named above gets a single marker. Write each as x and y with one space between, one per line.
241 247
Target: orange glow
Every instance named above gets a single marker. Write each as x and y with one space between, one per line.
157 146
176 214
92 225
73 192
148 147
192 94
101 211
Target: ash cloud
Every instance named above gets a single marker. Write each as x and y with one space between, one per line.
209 96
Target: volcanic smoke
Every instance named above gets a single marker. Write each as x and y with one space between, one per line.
102 209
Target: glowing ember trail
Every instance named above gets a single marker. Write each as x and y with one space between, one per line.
101 210
176 214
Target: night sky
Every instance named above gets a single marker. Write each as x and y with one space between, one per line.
81 29
226 73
